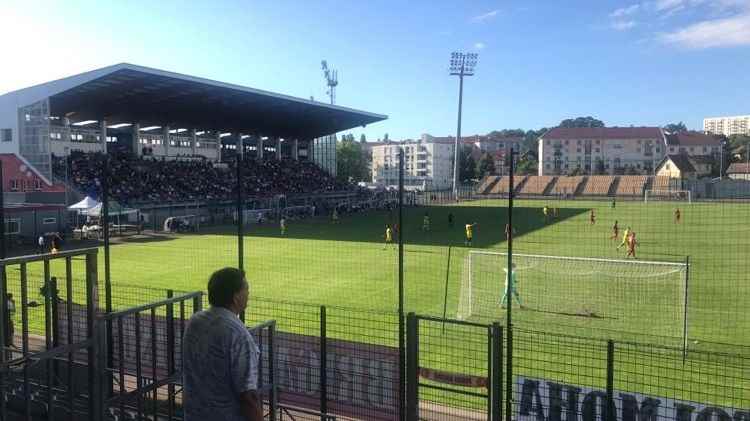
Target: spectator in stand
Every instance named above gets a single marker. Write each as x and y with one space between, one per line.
144 179
220 357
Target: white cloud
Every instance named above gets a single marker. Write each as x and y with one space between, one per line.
479 45
623 25
485 16
625 11
670 5
727 32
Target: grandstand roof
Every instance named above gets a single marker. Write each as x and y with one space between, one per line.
129 93
603 133
691 139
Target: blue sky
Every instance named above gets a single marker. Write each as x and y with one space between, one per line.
626 62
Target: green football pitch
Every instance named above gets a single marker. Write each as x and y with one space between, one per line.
346 264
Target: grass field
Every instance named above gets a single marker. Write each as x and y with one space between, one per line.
346 264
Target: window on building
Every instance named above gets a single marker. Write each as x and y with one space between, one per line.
578 150
596 150
37 184
48 221
597 142
658 150
14 185
566 142
705 149
12 226
692 149
668 167
6 135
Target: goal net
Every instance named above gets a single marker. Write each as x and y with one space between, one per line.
667 195
622 295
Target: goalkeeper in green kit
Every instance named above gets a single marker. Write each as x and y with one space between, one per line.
511 282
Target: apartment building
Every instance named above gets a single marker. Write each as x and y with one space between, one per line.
727 126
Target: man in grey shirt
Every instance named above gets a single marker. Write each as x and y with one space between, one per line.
220 357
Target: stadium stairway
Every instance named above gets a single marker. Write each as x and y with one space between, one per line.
520 184
582 186
486 185
613 187
548 189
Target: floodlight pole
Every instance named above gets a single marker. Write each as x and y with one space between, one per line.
462 64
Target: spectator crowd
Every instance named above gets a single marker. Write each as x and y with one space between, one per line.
145 179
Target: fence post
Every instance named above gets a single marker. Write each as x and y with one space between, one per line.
170 356
197 303
610 414
412 367
401 328
99 349
496 382
273 400
323 365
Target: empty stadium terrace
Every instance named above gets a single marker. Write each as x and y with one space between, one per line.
594 186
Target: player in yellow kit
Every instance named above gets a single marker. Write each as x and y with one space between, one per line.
388 236
469 233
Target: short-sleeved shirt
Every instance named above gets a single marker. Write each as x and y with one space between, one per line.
219 361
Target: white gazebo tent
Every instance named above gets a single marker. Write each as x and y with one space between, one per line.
84 205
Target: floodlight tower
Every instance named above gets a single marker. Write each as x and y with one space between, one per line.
461 64
332 80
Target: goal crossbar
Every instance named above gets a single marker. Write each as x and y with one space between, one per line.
677 266
667 194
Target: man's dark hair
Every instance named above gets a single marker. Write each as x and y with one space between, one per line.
223 284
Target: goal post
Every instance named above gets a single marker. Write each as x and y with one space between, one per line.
667 195
635 296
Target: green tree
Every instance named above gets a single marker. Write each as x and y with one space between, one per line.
385 137
582 122
351 163
675 127
362 138
466 164
485 166
527 164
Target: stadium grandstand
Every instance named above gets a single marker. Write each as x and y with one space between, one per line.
536 185
632 185
598 185
171 137
502 186
567 185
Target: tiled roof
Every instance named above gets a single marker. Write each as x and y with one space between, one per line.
691 139
603 133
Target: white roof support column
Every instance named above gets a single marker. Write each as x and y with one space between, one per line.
278 149
135 142
103 134
193 141
166 141
260 148
240 145
218 144
295 149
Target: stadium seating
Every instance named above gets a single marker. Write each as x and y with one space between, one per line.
137 180
485 186
631 185
536 184
567 185
502 185
598 185
660 183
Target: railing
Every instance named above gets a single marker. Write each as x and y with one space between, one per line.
42 378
